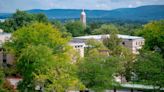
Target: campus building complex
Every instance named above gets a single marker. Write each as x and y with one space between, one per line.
134 43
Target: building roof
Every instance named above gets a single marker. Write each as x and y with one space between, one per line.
139 86
98 37
129 37
76 43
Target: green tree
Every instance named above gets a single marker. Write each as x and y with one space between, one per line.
37 34
97 72
43 58
128 28
106 29
76 28
60 27
39 67
149 69
126 63
19 19
40 17
3 26
22 18
1 80
5 86
94 45
88 30
153 33
112 43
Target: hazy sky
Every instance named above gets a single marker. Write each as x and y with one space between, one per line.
12 5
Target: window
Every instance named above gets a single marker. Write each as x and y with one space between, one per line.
123 43
4 58
136 43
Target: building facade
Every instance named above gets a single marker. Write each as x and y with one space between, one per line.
79 47
5 58
134 43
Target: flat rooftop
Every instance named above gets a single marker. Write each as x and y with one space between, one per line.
98 37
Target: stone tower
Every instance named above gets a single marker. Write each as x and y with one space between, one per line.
83 18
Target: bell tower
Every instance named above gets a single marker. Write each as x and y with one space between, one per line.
83 18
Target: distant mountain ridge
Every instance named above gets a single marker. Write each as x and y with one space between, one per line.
143 13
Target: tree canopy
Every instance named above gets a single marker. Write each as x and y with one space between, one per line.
153 33
76 28
97 72
149 69
43 58
37 34
22 18
106 29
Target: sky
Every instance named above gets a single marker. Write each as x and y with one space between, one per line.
7 6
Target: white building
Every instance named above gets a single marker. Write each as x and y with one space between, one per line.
5 58
134 43
4 37
79 47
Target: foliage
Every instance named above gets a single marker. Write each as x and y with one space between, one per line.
126 63
19 19
60 27
4 84
106 29
22 18
97 72
3 26
43 58
10 70
153 33
128 28
76 28
37 34
87 30
94 45
1 79
40 17
34 61
39 67
149 69
112 42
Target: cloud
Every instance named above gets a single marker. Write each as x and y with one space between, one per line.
12 5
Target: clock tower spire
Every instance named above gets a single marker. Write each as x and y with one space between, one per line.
83 18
